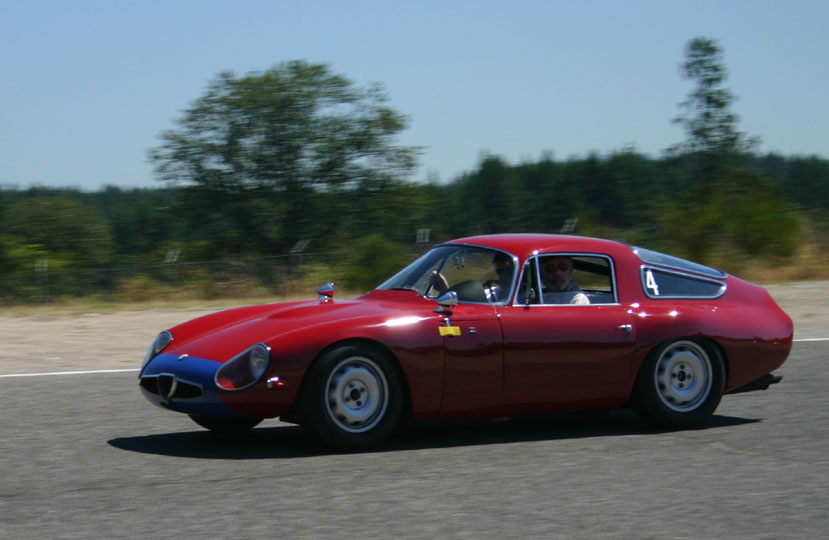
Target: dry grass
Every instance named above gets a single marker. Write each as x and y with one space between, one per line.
810 263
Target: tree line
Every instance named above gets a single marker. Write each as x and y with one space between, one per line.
297 160
766 212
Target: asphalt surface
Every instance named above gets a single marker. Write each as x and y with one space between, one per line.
85 456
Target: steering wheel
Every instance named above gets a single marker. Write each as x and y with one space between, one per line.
491 287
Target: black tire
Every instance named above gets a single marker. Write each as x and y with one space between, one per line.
353 398
226 427
680 384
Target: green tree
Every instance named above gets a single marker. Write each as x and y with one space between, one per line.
375 259
63 227
709 124
544 198
491 194
719 204
760 221
65 240
3 249
257 148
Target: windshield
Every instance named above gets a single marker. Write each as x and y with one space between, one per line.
478 275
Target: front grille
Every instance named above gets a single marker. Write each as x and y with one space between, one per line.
160 385
149 384
187 390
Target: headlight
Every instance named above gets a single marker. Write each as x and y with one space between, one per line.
258 361
161 341
245 369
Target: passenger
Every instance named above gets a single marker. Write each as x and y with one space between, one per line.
558 284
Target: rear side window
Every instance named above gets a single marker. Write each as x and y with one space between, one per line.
660 283
666 276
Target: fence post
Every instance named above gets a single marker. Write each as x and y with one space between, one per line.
42 276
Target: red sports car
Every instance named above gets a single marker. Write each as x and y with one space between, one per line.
486 326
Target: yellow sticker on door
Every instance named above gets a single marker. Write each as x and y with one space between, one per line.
450 330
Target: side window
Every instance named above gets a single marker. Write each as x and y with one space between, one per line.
576 279
467 265
665 284
477 275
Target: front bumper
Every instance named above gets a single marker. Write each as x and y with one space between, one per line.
184 384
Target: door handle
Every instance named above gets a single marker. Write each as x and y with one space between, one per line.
625 327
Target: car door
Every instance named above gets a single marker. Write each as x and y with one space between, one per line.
555 353
473 362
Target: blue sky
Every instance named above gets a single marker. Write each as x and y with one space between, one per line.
87 85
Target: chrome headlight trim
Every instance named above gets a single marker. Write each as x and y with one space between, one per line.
258 360
161 341
245 369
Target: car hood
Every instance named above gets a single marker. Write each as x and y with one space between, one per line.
222 335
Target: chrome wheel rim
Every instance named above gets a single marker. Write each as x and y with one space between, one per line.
356 394
683 376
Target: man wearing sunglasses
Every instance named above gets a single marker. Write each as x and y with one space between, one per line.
557 278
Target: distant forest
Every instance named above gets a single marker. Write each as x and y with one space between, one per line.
117 240
278 181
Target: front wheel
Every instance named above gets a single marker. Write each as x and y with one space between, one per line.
680 384
354 397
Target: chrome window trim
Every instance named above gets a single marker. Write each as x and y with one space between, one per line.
682 265
687 275
537 258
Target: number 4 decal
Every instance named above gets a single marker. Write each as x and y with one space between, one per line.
650 283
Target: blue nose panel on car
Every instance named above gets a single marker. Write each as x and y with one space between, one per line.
184 384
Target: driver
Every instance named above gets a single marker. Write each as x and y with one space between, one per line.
559 287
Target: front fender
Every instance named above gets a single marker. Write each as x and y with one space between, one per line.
414 341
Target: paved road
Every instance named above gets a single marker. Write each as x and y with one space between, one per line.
84 456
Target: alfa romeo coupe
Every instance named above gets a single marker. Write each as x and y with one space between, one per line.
485 326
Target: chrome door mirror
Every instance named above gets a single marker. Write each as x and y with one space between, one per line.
447 299
326 292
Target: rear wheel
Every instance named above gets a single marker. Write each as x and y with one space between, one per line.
354 397
680 384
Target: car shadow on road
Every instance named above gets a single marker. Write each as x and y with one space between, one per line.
289 441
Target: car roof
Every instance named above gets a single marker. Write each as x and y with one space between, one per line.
524 244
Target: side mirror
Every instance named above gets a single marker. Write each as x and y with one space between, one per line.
326 292
447 300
